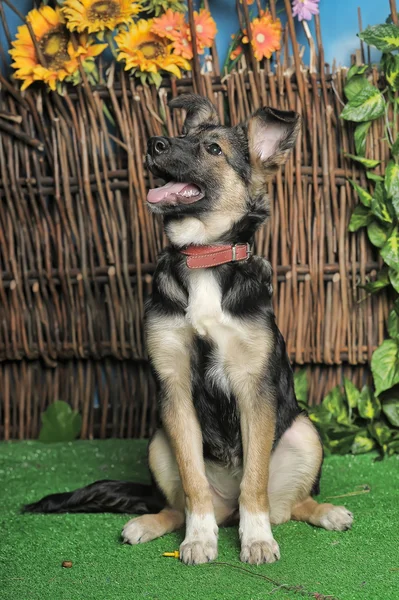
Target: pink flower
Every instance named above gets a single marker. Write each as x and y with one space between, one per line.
305 9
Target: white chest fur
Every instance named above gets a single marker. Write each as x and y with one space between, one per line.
204 311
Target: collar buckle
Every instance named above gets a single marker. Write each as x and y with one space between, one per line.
234 252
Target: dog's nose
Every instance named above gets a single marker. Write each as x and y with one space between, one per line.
158 145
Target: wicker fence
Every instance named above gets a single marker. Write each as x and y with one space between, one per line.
78 247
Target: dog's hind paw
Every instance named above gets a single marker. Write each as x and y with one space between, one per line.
337 518
259 552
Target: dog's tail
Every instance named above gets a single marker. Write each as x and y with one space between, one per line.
101 496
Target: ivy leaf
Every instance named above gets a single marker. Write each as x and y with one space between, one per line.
373 176
369 163
334 403
301 385
367 105
390 408
392 179
360 137
385 37
375 286
378 233
391 68
356 70
60 423
361 217
380 432
369 407
393 321
379 204
352 393
356 84
320 416
385 366
362 444
390 250
395 147
394 279
364 196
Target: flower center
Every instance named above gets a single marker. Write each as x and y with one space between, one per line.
199 28
151 49
260 38
104 10
54 47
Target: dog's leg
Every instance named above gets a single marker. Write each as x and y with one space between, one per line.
294 467
169 344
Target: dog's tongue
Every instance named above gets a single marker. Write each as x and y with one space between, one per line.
169 192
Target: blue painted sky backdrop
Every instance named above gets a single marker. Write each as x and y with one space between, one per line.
339 24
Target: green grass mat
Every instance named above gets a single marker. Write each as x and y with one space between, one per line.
362 563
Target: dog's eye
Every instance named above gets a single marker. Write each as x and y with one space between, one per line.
214 149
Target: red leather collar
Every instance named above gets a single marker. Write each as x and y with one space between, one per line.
202 257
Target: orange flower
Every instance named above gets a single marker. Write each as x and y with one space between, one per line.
169 25
266 35
182 45
205 29
236 53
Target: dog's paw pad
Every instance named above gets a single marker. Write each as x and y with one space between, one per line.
259 552
138 531
338 518
197 552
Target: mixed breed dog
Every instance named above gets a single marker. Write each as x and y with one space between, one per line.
234 446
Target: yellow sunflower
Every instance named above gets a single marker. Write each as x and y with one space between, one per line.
98 15
145 51
60 57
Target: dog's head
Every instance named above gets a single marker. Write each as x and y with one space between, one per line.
216 176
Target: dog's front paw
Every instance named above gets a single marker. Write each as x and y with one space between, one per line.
337 518
140 530
259 552
199 551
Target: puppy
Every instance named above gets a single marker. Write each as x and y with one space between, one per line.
234 444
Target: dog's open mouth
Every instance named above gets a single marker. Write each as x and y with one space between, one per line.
174 193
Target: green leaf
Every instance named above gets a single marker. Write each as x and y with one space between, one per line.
320 416
156 79
379 204
360 137
355 85
392 179
395 147
385 37
373 176
352 393
342 445
334 403
60 423
390 408
380 432
385 366
367 105
369 163
301 385
362 444
394 279
391 68
378 233
369 407
364 196
356 70
393 448
375 286
361 217
390 250
393 322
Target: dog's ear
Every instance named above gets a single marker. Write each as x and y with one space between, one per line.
271 135
199 111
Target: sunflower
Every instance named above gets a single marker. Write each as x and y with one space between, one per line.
60 56
172 26
98 15
142 50
156 7
266 35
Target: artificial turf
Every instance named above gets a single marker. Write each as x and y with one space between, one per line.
362 563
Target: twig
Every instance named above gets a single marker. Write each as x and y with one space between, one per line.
394 13
23 137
